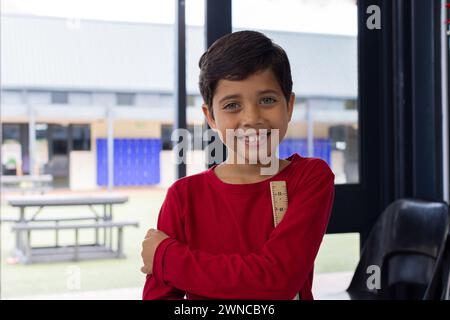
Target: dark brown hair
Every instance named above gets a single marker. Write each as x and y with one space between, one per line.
237 55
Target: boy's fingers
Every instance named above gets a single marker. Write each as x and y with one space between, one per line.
145 270
149 232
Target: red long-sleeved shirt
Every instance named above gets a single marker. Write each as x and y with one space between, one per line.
223 244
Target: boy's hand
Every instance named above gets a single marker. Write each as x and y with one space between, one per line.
152 240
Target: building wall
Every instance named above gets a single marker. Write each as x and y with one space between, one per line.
299 129
127 129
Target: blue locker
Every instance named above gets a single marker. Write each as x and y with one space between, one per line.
136 162
322 148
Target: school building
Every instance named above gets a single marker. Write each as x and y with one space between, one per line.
65 83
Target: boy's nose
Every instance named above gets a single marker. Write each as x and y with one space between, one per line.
251 117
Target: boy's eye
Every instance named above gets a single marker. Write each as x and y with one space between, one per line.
268 100
231 106
234 105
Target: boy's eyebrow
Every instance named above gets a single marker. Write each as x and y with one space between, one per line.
230 96
235 96
267 91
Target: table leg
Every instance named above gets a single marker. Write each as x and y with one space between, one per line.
27 247
119 242
19 249
105 218
110 229
75 254
96 233
57 234
21 220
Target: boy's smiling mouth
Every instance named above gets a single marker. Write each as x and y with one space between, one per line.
254 138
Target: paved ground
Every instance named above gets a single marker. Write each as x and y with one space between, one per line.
326 286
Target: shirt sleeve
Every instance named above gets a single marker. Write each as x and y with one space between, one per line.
279 270
170 222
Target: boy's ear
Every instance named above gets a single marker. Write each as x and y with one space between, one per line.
208 116
291 104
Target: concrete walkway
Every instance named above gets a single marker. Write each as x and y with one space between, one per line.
326 286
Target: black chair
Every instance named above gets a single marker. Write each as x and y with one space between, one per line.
439 288
404 246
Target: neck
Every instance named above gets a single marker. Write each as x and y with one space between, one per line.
244 169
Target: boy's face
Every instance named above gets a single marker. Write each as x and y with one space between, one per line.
256 102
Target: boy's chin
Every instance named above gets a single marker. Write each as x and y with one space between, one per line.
260 160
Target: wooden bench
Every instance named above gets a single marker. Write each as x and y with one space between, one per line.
74 252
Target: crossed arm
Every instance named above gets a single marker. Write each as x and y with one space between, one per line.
277 271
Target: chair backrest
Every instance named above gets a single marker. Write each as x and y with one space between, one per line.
439 287
403 245
445 295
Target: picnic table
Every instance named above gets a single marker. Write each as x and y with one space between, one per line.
30 183
24 225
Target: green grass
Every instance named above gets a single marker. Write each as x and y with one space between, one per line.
20 280
338 253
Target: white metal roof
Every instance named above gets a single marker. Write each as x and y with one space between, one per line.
52 53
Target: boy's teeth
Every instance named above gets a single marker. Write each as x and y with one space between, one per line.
254 139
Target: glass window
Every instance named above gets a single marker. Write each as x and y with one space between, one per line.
125 99
81 136
191 101
320 39
166 133
10 132
195 46
196 134
123 47
195 131
60 139
11 149
59 98
41 131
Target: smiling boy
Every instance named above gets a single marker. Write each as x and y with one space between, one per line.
216 237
